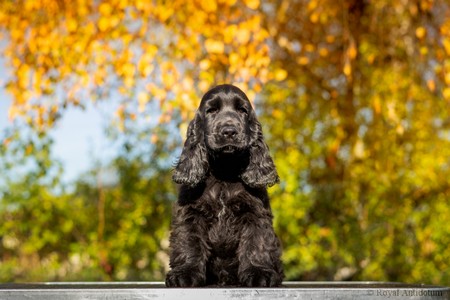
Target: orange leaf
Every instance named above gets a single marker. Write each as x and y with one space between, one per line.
347 68
421 32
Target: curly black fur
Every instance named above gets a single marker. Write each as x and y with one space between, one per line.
222 230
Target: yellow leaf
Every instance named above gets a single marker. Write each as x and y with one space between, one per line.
28 149
252 4
99 76
187 83
377 105
13 112
359 149
392 113
228 2
105 9
204 85
446 93
447 78
423 50
169 80
183 129
214 46
128 70
283 42
229 33
242 35
204 64
245 74
280 74
400 129
251 95
209 6
103 23
72 25
446 42
142 101
159 93
233 58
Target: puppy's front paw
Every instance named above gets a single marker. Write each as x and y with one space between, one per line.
257 277
185 277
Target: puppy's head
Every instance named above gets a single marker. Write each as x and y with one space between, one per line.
226 112
225 124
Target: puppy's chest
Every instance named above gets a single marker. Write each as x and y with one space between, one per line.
222 207
228 209
224 228
226 205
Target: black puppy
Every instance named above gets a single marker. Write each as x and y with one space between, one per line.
222 230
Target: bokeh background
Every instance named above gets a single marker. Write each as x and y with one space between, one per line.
353 95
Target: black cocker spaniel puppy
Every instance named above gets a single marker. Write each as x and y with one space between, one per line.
222 230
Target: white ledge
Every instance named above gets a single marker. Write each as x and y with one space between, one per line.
157 290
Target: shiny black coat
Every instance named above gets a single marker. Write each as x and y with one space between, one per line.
222 230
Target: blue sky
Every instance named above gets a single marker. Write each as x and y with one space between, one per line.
79 140
78 135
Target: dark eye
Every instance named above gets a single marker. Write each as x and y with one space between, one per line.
242 109
211 110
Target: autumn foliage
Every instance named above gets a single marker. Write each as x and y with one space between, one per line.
354 97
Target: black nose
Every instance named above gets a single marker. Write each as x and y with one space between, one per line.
228 131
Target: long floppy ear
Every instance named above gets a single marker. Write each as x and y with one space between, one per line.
260 171
193 163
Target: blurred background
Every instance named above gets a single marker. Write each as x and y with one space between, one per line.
353 95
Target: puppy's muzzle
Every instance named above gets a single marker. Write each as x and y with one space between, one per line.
229 131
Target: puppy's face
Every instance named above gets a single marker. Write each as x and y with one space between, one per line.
226 113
